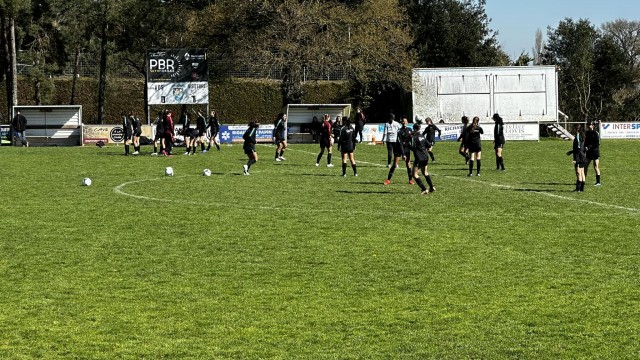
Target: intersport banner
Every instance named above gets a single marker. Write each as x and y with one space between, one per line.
177 76
628 130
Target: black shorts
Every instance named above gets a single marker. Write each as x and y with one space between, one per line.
325 142
498 145
214 134
137 133
579 164
593 154
127 135
200 134
249 150
420 163
475 147
397 149
407 152
346 150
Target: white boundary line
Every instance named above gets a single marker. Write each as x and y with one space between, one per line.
540 192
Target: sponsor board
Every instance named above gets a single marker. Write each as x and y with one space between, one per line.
629 130
514 131
5 134
177 76
233 133
109 134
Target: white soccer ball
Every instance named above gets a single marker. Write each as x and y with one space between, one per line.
86 182
206 172
168 171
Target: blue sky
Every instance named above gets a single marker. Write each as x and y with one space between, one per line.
517 21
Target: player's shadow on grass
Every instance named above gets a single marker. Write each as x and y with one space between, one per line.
536 190
307 174
363 192
550 183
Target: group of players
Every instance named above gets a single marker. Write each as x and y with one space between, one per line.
164 138
401 141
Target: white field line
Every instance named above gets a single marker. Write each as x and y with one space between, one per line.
540 192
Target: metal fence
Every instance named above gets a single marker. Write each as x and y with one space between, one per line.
219 67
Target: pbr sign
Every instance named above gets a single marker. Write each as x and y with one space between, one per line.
177 76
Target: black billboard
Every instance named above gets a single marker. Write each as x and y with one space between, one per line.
177 65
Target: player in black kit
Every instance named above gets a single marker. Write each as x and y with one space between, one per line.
249 146
201 130
498 140
430 131
579 156
214 128
127 128
347 143
396 147
419 145
405 136
474 144
463 139
592 144
279 136
137 131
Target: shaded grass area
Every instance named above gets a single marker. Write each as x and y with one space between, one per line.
295 261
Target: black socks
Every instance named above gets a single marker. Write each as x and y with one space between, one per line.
390 175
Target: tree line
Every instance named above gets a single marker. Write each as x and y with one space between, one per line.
378 42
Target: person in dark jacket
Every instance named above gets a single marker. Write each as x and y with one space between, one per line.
592 145
474 144
579 156
19 124
201 130
127 128
137 131
347 144
405 137
279 136
419 145
169 133
462 139
214 129
430 132
249 145
158 139
498 140
315 128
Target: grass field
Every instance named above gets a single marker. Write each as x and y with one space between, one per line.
296 262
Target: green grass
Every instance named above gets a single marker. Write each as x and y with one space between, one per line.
295 261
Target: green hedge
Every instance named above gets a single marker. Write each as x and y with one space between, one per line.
237 100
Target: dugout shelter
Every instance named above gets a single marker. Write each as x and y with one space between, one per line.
51 125
300 116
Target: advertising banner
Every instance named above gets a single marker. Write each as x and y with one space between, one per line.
629 130
177 76
233 133
5 134
514 131
109 134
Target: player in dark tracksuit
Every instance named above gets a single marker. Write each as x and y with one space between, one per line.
396 147
137 131
592 144
474 144
420 145
279 136
169 133
159 137
405 137
249 145
430 131
347 144
463 139
127 128
326 140
498 140
214 128
579 156
201 130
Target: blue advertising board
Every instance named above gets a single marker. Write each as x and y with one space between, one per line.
5 134
233 133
